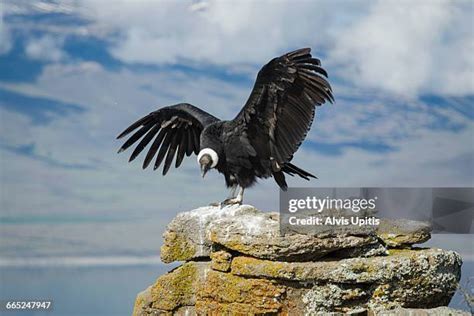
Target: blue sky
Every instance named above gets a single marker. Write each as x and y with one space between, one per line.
74 74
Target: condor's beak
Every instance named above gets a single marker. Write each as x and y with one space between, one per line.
204 169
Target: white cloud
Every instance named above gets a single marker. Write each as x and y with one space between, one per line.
405 48
5 37
400 47
409 48
220 32
111 101
39 6
379 119
432 158
46 48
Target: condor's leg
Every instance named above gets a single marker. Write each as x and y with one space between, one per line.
240 195
236 199
232 192
232 195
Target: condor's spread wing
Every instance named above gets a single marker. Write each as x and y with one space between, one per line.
280 109
173 129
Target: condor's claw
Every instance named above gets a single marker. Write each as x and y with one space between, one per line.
236 199
231 201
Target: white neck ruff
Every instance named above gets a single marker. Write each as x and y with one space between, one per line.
210 152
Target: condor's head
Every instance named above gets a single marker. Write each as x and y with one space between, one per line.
207 159
211 148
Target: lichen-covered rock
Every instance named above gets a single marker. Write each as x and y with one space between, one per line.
172 290
147 310
177 247
402 233
438 311
405 278
331 217
247 230
372 250
185 237
176 288
237 263
220 260
227 294
421 277
143 302
258 235
433 264
335 298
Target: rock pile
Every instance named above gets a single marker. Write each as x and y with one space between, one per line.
236 263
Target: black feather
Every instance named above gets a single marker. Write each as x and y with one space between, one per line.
310 60
154 147
163 149
290 168
148 137
182 148
319 86
280 180
298 52
195 141
189 139
309 68
138 134
144 120
171 151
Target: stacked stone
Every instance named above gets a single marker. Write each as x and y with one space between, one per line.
236 263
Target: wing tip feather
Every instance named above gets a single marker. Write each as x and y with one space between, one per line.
299 52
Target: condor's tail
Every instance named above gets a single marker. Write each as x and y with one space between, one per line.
290 169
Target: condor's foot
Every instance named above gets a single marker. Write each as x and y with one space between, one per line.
234 199
215 204
231 201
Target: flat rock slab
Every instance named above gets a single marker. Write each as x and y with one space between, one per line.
399 264
258 235
438 311
332 219
246 230
422 277
252 232
185 237
397 233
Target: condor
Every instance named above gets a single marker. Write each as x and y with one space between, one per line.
258 143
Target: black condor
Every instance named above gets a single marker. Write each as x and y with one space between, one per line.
258 143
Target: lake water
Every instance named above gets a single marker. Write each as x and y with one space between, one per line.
101 290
